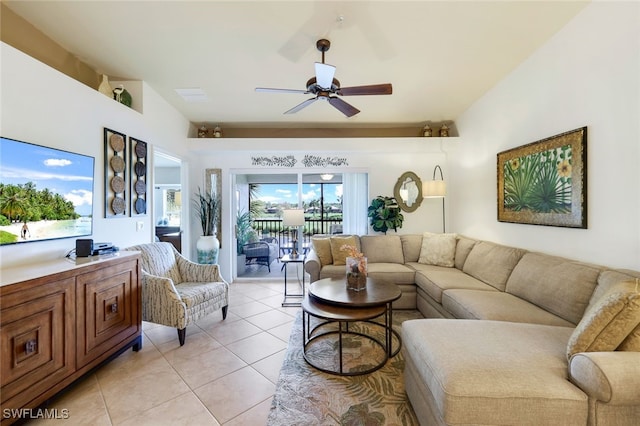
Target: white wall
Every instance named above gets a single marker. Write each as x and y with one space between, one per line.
384 159
43 106
588 74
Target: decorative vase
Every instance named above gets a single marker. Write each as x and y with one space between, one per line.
208 248
105 87
356 273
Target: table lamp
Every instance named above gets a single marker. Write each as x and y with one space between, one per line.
293 218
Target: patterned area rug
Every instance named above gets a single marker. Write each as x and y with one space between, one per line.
307 396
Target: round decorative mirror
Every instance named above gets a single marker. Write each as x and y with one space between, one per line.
408 191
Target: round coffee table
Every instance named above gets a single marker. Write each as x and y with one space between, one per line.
329 301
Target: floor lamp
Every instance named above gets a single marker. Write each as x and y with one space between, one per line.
436 189
293 218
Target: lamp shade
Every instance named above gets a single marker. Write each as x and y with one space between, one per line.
434 189
293 217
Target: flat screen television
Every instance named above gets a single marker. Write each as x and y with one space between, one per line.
45 193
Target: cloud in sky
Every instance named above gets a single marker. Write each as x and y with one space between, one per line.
57 162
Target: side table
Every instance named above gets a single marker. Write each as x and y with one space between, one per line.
286 260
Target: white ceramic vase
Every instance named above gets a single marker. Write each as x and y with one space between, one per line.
208 248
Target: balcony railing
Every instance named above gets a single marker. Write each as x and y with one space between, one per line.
274 228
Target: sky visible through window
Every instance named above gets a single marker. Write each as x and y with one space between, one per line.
276 194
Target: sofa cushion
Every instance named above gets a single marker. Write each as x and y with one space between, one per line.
411 245
339 255
382 248
436 279
558 285
322 247
394 272
438 249
497 305
463 248
608 322
494 372
608 279
333 271
631 342
492 263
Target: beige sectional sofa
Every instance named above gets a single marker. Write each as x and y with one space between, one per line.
510 336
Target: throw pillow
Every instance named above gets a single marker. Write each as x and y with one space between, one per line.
339 255
607 323
322 247
438 249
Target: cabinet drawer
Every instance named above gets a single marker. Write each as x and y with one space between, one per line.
107 313
38 340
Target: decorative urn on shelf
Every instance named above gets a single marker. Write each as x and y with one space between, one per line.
105 87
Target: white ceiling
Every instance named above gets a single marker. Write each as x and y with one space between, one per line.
440 56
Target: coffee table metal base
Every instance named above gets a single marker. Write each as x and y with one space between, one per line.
329 314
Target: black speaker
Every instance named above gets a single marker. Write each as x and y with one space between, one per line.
84 248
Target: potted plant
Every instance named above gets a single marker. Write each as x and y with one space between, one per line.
244 234
207 209
384 214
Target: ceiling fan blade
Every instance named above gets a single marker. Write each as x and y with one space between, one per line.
343 107
270 90
324 75
373 89
300 106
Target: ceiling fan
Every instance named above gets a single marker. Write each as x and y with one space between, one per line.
324 86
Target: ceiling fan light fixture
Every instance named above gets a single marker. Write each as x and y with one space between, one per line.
324 85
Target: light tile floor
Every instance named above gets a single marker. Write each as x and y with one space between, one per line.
225 374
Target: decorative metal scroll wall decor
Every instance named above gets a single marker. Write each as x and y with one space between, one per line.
317 161
138 160
286 161
115 174
545 182
290 161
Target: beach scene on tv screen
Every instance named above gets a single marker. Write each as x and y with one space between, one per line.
45 193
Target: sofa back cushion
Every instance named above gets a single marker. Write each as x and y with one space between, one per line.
463 248
339 255
558 285
411 245
492 263
322 247
382 248
608 322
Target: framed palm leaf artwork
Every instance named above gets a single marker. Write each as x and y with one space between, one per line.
545 182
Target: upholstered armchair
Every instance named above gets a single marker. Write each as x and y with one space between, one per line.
262 252
177 292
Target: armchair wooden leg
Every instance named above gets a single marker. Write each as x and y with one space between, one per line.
224 311
182 334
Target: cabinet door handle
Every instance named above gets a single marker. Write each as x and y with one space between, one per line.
114 308
30 347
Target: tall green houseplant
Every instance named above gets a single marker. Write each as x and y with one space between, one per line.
207 209
384 214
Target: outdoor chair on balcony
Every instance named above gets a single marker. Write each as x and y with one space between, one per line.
177 292
262 252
